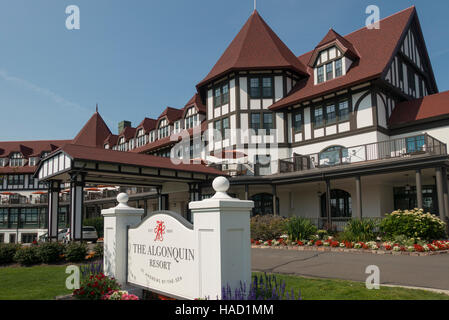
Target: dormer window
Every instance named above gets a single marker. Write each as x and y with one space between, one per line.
192 118
152 136
16 160
141 138
122 145
329 65
3 162
33 161
164 129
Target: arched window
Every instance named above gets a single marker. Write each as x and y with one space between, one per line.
341 204
263 204
333 156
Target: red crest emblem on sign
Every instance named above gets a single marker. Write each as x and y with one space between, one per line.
159 230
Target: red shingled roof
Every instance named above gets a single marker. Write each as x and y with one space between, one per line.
172 114
375 48
147 124
128 133
256 46
94 132
80 152
111 140
427 108
29 148
195 101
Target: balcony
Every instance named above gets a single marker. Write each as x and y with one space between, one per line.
385 150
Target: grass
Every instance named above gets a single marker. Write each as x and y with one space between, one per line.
46 282
33 283
325 289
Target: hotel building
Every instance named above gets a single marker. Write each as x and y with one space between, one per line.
354 128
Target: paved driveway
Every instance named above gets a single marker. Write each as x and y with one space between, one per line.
425 271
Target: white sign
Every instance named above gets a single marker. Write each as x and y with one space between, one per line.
163 257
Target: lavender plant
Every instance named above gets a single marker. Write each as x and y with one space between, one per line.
266 287
91 269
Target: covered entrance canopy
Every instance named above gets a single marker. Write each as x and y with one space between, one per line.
80 165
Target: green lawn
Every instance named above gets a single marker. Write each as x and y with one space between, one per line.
32 283
47 282
324 289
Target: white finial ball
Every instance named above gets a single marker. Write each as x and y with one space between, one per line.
122 198
220 184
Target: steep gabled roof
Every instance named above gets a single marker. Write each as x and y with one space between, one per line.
332 37
172 115
195 101
127 133
425 109
111 140
147 125
256 46
376 48
94 132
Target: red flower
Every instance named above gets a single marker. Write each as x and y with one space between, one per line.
319 243
299 243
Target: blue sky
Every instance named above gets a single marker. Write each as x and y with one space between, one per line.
136 57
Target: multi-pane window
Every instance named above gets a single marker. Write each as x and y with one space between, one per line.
319 119
255 121
15 179
268 121
338 68
267 87
329 71
3 162
152 136
221 95
29 215
122 145
222 129
331 115
141 138
261 87
16 160
320 74
164 129
254 88
297 122
191 118
343 110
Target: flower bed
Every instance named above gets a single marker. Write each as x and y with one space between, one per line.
435 247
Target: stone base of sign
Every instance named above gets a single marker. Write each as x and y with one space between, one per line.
357 251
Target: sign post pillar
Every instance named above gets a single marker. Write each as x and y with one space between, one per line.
116 222
222 231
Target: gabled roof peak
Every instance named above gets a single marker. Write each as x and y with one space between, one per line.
94 132
256 46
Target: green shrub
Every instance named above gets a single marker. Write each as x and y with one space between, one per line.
267 227
50 252
322 234
300 228
7 252
359 230
413 224
75 251
98 250
97 222
27 256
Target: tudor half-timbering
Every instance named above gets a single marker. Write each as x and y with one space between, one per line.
356 127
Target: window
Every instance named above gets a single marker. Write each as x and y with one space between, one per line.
329 71
255 121
3 162
319 119
267 89
3 216
341 204
192 118
333 156
268 122
16 160
343 111
164 129
141 138
338 68
29 215
297 122
411 79
221 95
2 237
29 237
415 144
254 88
15 179
221 129
263 204
320 74
405 198
331 115
122 145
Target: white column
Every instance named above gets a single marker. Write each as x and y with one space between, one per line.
222 231
116 223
